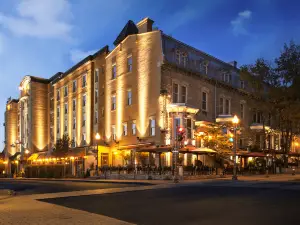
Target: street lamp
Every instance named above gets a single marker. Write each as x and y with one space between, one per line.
98 137
235 122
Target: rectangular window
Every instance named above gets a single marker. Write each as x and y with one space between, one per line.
74 123
84 80
129 97
113 102
114 72
83 138
58 112
83 120
221 106
65 91
175 93
129 63
84 100
96 117
58 95
254 117
189 128
57 127
184 59
74 142
113 132
152 127
96 97
66 125
124 126
242 84
227 106
177 56
66 108
96 76
242 111
74 86
204 101
74 105
183 94
102 111
133 128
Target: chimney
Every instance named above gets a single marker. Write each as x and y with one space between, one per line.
233 63
145 25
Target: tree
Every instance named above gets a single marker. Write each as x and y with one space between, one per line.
62 146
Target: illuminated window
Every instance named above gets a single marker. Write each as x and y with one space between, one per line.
65 91
96 76
66 108
183 94
113 102
152 127
175 93
96 116
221 106
58 95
83 120
113 132
242 111
74 86
129 63
96 96
227 106
84 100
84 80
133 128
204 101
74 105
124 126
129 97
114 71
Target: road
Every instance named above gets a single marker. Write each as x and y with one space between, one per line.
211 203
28 187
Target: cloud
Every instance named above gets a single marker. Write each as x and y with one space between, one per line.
42 19
239 23
76 55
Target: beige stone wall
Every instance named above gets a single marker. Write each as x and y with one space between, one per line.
11 127
143 81
39 109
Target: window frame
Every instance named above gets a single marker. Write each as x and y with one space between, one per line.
133 128
129 63
113 102
152 126
74 86
84 80
204 102
181 93
125 129
113 71
96 76
173 93
129 97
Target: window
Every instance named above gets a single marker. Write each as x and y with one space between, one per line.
183 94
65 91
152 127
129 97
83 120
113 132
96 117
57 127
124 126
226 77
257 117
84 80
74 105
114 71
74 123
113 102
204 101
96 96
66 125
177 56
102 111
189 128
58 95
84 100
184 59
242 84
96 76
227 106
74 86
242 111
175 93
221 106
133 128
58 112
74 142
83 138
66 108
129 63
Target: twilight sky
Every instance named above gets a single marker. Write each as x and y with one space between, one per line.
42 37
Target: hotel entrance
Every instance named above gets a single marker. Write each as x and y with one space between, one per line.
104 159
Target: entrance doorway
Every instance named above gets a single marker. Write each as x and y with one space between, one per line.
104 159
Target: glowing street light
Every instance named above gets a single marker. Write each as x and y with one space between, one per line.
97 137
235 122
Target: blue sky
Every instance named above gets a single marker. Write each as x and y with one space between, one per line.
42 37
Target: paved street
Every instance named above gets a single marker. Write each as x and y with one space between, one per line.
209 203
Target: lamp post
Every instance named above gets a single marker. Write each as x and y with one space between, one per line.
235 122
98 137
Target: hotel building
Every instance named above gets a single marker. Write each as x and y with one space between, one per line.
134 96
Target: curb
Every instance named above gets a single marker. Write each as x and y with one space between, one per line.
6 193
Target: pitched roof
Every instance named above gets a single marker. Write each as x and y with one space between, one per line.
129 28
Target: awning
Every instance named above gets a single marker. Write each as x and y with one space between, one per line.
33 156
134 146
255 154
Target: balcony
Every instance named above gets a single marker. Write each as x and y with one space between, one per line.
181 108
259 127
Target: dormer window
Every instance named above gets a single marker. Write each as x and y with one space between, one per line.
226 77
